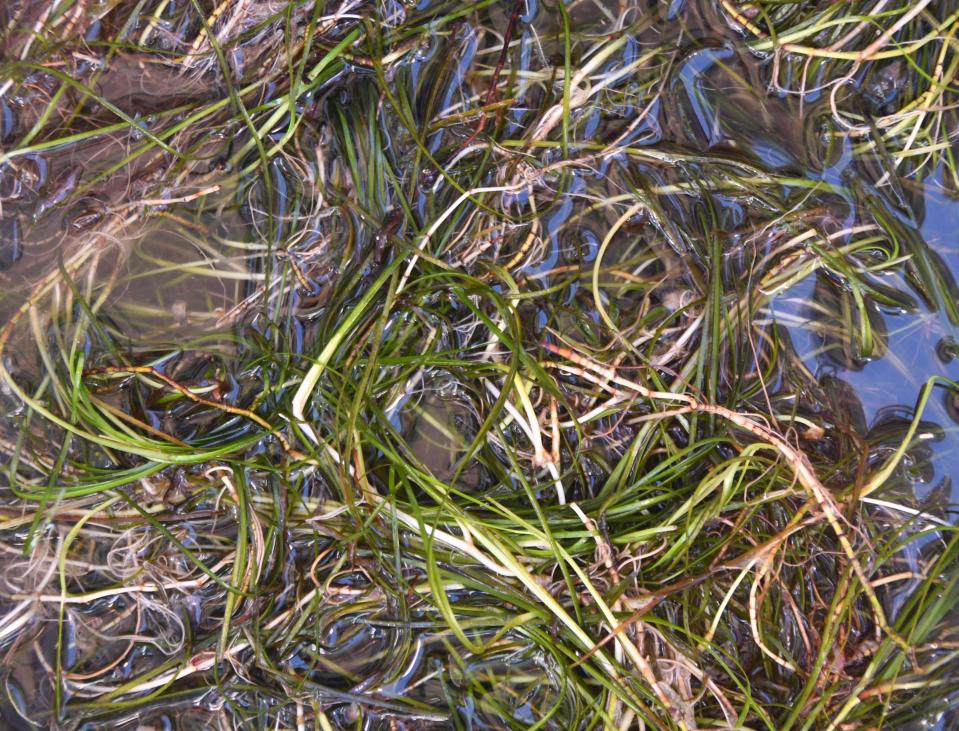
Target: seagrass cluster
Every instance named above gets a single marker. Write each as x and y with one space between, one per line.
485 365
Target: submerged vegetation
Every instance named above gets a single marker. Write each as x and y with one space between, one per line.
484 365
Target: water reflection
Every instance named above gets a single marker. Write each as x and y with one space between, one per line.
909 348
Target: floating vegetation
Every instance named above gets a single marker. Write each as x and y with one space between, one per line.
489 365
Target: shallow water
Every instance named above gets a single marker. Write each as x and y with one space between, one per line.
694 213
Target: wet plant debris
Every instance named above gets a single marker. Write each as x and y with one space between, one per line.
506 364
